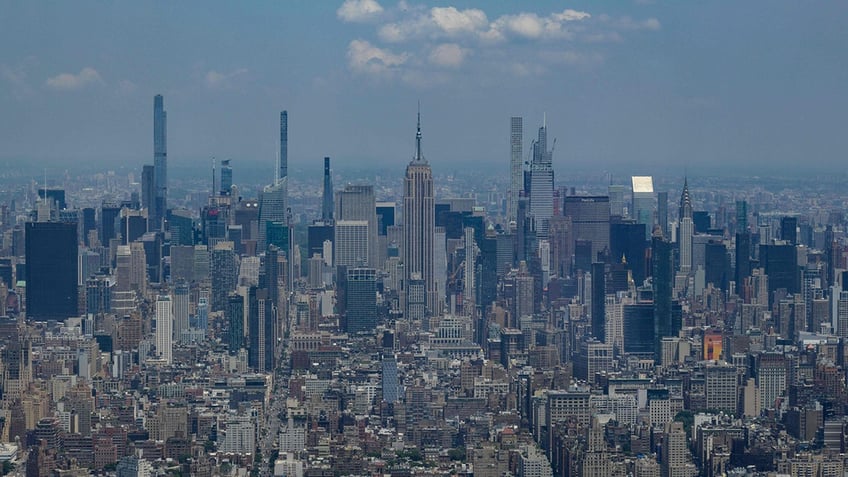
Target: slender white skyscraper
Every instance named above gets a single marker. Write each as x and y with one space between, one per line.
516 168
164 328
687 229
542 183
419 228
160 163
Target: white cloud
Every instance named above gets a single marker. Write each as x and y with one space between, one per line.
454 22
70 81
363 57
569 15
216 80
359 10
448 54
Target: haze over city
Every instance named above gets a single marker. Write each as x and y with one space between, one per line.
713 86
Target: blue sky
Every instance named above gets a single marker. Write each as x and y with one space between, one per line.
658 86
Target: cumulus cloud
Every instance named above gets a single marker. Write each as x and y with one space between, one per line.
359 10
216 80
448 54
69 81
363 57
450 37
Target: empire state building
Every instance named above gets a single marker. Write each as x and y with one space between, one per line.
419 215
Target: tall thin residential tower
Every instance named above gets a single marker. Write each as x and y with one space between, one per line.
516 169
284 144
327 199
419 229
160 162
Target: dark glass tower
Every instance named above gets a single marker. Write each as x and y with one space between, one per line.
361 313
226 177
51 270
160 163
235 319
662 281
327 199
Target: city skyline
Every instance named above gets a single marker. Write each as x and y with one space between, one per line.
628 83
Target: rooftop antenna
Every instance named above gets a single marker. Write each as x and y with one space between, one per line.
418 155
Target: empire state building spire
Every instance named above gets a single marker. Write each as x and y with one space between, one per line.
418 155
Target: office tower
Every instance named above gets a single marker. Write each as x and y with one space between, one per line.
316 234
702 220
361 300
598 302
662 213
771 378
627 246
89 225
148 188
665 323
780 262
542 183
638 328
351 243
643 202
469 287
327 199
164 328
616 195
284 145
741 216
743 257
262 331
391 385
516 167
273 201
235 319
224 274
247 215
419 228
717 264
180 307
274 269
202 316
385 217
686 230
226 177
561 239
590 219
357 203
160 163
789 230
51 270
841 313
109 213
181 225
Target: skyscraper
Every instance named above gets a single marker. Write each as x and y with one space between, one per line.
357 203
516 140
160 163
273 201
687 229
542 184
51 270
164 328
361 294
284 144
226 177
419 230
643 202
665 323
180 309
327 199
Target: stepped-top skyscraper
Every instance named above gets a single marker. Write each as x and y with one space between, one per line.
160 163
542 183
273 200
516 168
419 229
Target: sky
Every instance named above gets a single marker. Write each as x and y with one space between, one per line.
636 86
